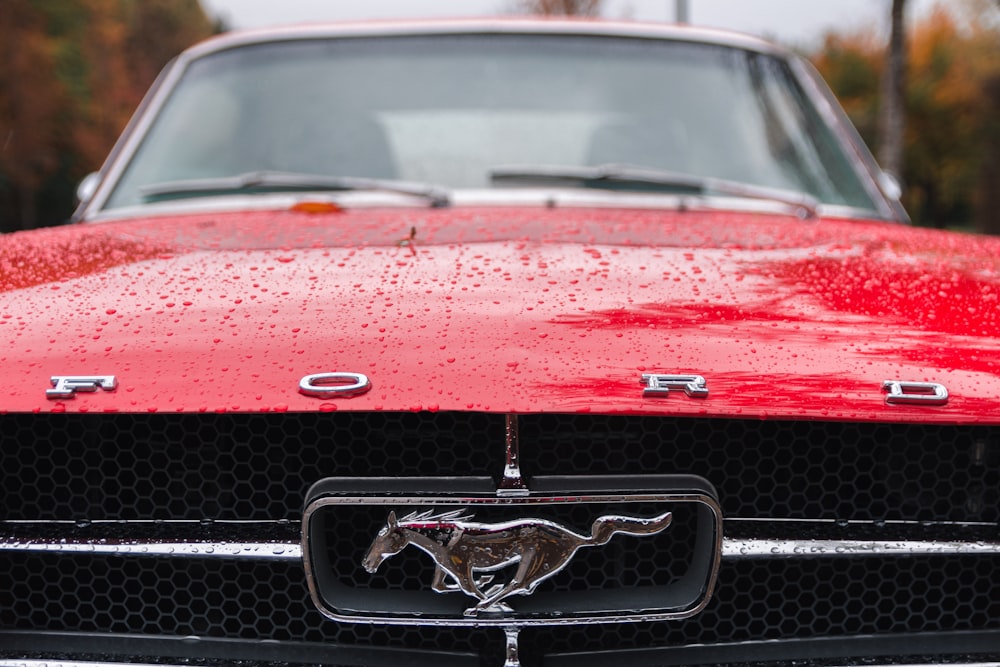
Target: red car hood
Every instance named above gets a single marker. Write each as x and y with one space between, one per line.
503 309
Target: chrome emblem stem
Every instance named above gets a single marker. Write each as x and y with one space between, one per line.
511 658
512 483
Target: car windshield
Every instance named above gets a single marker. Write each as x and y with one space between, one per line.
450 110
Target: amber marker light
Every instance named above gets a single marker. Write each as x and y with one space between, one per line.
315 207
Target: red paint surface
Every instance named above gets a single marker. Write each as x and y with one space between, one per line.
503 309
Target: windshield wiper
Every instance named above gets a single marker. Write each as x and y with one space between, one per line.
612 175
281 181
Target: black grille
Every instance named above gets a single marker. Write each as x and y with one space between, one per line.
795 470
226 467
754 600
257 467
183 597
784 599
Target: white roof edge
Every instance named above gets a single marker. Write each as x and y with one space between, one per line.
512 25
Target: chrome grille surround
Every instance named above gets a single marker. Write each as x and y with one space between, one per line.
684 593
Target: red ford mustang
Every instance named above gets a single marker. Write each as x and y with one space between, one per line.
473 342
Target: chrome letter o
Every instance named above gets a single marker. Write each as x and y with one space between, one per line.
334 385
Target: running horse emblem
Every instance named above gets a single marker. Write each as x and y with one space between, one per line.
469 553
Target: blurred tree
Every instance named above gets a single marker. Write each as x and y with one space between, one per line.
982 20
71 73
32 103
988 200
952 132
852 67
103 92
561 7
157 30
893 117
942 101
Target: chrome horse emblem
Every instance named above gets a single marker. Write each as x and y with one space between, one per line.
469 553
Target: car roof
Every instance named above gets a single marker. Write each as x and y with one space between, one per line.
488 26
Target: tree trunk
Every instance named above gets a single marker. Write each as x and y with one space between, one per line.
27 209
893 117
988 199
561 7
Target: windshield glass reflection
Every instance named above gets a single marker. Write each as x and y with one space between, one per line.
446 110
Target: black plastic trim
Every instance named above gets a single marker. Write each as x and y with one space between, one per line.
917 648
131 648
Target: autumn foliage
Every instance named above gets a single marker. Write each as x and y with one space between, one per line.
73 71
71 74
951 160
560 7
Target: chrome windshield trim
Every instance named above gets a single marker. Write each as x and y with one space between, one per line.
506 197
860 157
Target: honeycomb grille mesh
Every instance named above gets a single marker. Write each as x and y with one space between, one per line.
68 467
224 467
754 600
784 599
793 470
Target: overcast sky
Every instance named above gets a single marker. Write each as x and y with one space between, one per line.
792 22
